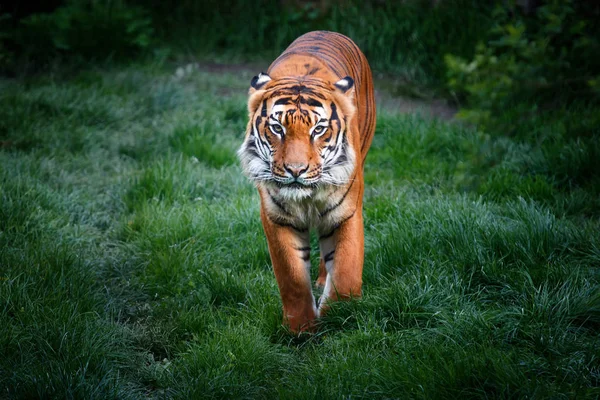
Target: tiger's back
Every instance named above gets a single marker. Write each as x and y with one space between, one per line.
332 56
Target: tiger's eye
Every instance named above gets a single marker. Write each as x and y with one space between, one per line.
319 129
277 129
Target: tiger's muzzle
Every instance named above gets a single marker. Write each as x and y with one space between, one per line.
296 174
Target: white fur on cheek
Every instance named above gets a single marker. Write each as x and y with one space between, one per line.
255 162
341 173
336 172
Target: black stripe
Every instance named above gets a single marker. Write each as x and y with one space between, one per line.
278 204
329 256
262 142
334 114
342 158
310 102
301 89
288 225
334 148
257 123
263 111
307 248
270 146
339 203
331 147
328 235
283 100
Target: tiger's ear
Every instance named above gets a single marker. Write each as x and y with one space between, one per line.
344 95
345 84
259 80
255 92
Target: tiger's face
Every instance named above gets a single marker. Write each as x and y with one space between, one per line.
297 134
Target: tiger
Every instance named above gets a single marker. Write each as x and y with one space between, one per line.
311 122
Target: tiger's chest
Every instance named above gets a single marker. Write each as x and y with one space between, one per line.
322 210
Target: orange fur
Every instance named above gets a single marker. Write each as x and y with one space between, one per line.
307 138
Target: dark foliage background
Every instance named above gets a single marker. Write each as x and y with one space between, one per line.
410 38
484 53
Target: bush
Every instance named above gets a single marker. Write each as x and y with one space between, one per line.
529 64
83 29
407 38
6 56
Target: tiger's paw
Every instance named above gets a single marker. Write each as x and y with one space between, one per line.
320 282
301 321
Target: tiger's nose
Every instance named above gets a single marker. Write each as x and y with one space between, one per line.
296 169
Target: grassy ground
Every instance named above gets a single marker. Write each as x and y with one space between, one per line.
133 263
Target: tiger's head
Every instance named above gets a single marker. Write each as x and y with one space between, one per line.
297 137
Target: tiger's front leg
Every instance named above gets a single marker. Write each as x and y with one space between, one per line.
342 251
290 255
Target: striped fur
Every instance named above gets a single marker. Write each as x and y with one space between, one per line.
311 123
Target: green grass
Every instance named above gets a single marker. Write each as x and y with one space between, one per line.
133 263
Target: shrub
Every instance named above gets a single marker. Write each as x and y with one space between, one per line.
407 38
85 29
529 64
